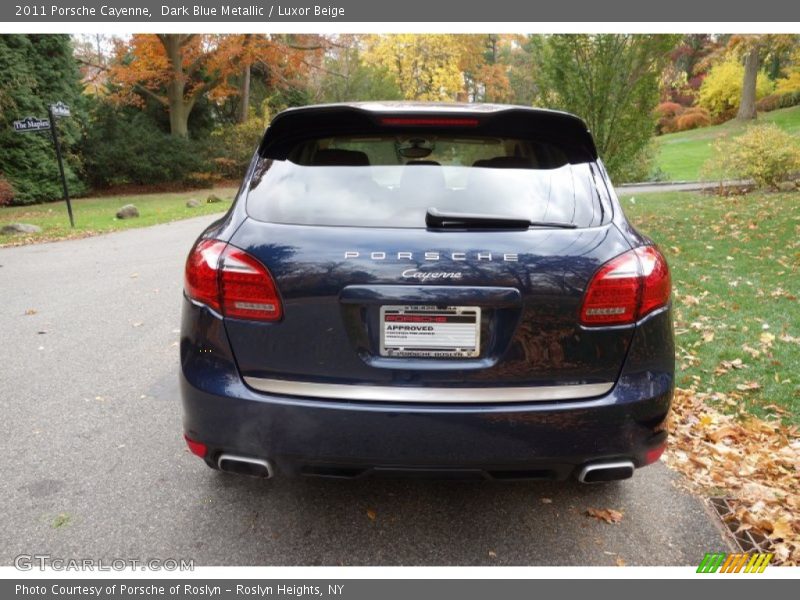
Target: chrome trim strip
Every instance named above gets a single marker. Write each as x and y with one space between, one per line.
438 395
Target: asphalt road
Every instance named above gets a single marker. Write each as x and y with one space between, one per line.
95 467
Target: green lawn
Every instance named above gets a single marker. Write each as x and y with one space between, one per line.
98 215
735 265
681 155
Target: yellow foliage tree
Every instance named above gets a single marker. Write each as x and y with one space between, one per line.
790 83
721 90
425 66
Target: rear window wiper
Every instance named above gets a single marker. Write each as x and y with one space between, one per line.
437 219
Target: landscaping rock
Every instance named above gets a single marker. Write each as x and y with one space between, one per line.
12 228
128 211
192 203
213 199
786 186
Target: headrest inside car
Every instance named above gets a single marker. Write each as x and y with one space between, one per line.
505 162
422 163
340 158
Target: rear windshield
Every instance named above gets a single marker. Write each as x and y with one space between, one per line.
392 181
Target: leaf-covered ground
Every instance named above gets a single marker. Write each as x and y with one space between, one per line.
753 462
734 425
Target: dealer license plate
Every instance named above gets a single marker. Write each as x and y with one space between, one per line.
430 331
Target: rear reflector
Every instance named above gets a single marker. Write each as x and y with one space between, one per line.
196 448
427 122
654 454
232 282
627 288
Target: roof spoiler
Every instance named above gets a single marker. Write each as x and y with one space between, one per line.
564 130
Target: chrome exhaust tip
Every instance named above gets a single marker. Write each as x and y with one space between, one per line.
607 471
245 465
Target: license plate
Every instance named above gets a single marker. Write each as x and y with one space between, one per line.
430 331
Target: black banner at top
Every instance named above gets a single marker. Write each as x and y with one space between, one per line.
361 11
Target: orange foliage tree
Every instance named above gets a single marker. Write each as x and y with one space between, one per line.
176 69
485 68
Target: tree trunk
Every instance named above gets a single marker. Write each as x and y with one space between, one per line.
178 115
243 110
747 103
178 110
244 94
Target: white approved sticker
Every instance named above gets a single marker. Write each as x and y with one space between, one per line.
430 331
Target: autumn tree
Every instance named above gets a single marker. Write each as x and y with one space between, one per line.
688 55
176 69
246 59
486 72
425 66
790 82
753 50
342 75
94 53
689 63
750 47
523 68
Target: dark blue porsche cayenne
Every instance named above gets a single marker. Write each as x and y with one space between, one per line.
426 289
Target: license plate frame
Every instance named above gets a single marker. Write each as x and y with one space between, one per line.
424 331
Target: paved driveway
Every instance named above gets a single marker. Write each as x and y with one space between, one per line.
681 186
94 463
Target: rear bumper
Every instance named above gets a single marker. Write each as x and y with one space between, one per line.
319 437
545 439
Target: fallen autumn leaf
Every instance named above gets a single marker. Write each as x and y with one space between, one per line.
609 515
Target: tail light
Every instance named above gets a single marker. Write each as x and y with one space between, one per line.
231 282
202 276
627 288
195 447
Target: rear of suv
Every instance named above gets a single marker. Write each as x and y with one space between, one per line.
431 289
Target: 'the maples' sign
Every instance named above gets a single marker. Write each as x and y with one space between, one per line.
31 124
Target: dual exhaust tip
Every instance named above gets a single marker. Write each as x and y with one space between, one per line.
245 465
258 467
606 471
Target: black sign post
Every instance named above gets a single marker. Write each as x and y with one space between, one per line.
61 110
